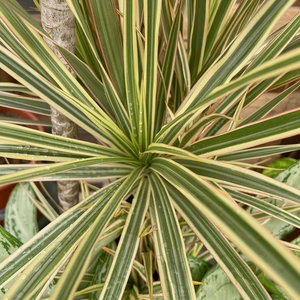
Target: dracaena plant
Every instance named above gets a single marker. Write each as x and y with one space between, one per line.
160 85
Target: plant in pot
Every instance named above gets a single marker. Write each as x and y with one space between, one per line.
157 81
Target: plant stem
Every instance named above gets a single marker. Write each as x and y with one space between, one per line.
58 21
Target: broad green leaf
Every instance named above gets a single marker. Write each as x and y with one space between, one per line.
133 82
8 243
20 217
198 267
279 228
274 289
274 168
216 285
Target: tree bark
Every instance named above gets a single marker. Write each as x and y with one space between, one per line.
58 21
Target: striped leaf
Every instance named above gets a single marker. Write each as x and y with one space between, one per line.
253 242
66 287
221 249
117 278
173 267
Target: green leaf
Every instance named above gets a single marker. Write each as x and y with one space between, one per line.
24 103
219 247
103 266
173 267
234 24
199 36
131 64
271 129
216 27
280 228
280 165
88 78
8 243
68 283
90 117
230 63
47 235
155 81
20 213
251 238
271 208
258 152
167 68
127 247
241 179
216 285
148 262
107 25
55 168
198 267
31 137
220 172
152 11
260 113
85 173
267 70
